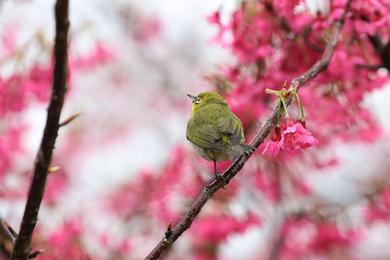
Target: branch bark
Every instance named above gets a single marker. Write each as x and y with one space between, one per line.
382 49
209 190
22 247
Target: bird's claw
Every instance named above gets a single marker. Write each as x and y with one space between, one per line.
217 178
221 178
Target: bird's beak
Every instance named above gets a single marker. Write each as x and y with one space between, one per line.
191 96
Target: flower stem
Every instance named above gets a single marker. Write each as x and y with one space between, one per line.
300 107
281 95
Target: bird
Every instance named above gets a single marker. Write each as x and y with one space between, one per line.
214 130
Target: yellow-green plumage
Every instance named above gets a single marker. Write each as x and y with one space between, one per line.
216 133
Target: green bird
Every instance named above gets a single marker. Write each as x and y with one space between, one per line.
214 130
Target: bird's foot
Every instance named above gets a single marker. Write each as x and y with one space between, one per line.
249 151
217 178
221 178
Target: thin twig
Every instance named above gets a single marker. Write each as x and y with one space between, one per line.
382 49
209 190
7 239
69 119
22 246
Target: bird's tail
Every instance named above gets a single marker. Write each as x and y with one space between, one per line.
240 149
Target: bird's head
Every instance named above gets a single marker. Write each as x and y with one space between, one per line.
205 98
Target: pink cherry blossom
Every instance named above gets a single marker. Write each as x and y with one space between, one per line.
39 81
297 137
64 242
303 237
289 137
146 28
214 18
12 94
267 183
379 209
331 237
100 54
206 230
271 148
10 145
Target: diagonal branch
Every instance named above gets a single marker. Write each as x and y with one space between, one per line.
209 190
22 246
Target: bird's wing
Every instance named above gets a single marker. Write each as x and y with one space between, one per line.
231 127
203 135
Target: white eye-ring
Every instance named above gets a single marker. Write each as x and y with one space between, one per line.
198 100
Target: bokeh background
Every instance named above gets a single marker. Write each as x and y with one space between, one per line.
132 62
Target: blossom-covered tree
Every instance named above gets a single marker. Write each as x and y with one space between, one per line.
316 60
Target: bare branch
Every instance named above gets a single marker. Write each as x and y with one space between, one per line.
209 190
22 248
69 119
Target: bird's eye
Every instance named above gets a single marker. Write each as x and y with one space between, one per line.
198 100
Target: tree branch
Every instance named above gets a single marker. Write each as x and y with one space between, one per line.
43 158
382 49
209 190
7 239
